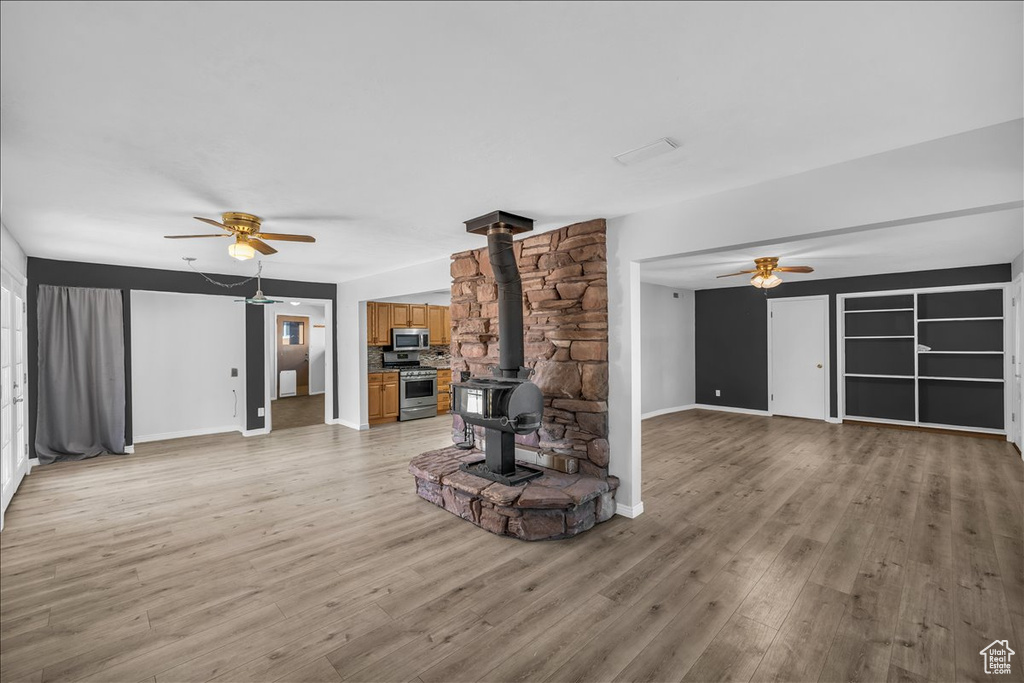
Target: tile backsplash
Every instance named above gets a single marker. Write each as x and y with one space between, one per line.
435 357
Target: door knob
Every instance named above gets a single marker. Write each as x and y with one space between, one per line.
819 365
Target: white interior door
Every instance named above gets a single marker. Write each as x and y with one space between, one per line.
798 357
13 379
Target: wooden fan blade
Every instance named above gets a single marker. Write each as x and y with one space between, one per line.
742 272
185 237
285 238
262 247
213 222
795 269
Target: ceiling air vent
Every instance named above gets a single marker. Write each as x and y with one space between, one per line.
641 154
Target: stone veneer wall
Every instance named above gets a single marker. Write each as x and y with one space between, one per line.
565 292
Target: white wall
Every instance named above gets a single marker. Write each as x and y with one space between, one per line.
1017 266
666 349
432 298
961 173
183 349
352 297
13 256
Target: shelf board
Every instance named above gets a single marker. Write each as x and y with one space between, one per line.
933 425
888 336
857 374
881 310
963 379
972 353
955 320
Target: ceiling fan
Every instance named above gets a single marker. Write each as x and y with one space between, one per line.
765 269
245 228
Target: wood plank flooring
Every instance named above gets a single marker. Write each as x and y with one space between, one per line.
772 549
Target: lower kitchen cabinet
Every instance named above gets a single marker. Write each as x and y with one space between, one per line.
444 382
382 397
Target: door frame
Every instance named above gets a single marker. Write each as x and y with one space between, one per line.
309 344
827 417
1015 294
270 360
17 286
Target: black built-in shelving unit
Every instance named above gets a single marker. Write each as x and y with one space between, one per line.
927 357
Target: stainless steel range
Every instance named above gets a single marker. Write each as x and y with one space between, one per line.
417 385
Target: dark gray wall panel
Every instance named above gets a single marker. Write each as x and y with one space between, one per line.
731 347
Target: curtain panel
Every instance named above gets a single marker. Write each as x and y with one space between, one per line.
81 392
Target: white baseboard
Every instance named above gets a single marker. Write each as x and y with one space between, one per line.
256 432
32 462
129 449
630 511
666 411
185 433
350 425
730 409
315 393
834 420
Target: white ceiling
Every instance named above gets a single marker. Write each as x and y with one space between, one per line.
976 240
383 126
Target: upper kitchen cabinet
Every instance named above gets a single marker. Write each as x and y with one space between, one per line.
378 323
439 324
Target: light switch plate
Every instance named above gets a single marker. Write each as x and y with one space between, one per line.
260 412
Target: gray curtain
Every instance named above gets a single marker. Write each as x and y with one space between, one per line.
81 373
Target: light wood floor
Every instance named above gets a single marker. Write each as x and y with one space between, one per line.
771 548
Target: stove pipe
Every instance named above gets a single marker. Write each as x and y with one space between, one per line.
508 403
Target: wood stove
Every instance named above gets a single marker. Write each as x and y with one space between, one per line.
508 403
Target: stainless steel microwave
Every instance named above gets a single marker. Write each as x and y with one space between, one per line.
409 339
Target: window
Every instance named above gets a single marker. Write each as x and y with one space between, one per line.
292 333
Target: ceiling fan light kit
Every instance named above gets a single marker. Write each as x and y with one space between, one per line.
765 269
241 249
246 229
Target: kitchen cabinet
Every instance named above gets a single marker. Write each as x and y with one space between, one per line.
382 397
439 324
444 382
378 323
400 315
381 317
418 316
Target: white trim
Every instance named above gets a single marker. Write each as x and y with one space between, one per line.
833 420
32 462
256 432
880 310
826 362
183 434
923 290
666 411
962 379
730 409
932 425
956 320
351 425
632 512
129 449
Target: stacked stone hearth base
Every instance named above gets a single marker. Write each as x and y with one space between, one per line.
555 505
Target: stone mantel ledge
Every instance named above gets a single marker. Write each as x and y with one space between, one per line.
552 506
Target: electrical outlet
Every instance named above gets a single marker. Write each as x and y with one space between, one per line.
260 412
234 372
718 392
